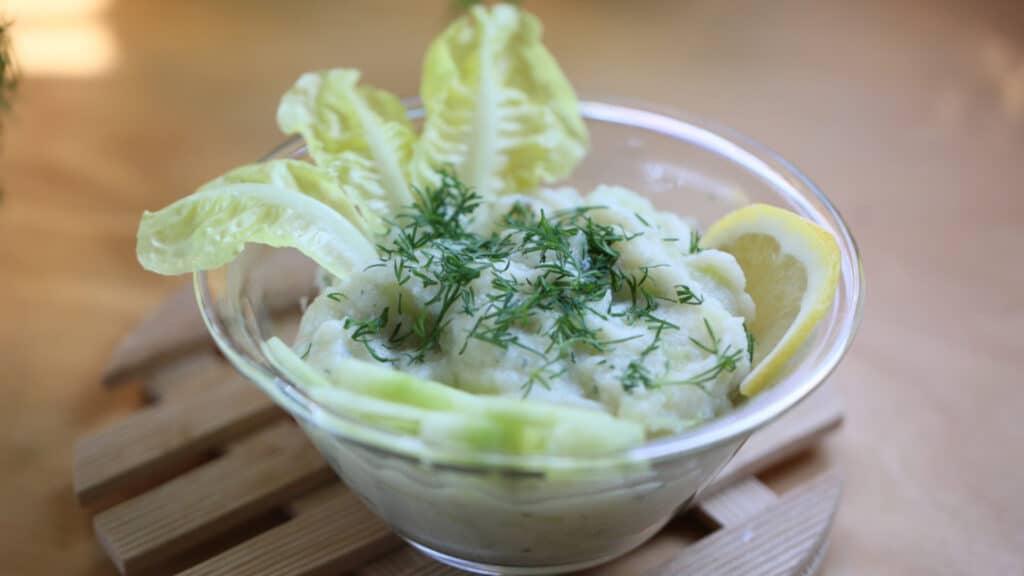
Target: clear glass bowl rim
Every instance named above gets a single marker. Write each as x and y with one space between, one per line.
786 179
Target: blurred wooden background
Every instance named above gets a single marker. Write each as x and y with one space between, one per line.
909 114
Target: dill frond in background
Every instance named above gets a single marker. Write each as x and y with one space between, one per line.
8 69
8 83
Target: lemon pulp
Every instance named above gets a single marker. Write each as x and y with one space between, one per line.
792 270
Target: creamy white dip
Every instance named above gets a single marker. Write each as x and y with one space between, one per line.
668 352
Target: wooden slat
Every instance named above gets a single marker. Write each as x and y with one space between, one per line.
433 568
186 376
796 431
257 475
337 536
661 548
158 438
176 327
738 502
171 331
781 540
403 561
318 498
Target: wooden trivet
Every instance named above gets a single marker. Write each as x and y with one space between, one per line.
213 479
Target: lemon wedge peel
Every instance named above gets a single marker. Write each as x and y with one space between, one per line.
808 245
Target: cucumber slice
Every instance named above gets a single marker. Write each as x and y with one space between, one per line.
450 417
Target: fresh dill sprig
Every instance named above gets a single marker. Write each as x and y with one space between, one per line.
366 330
694 242
431 243
711 348
543 375
9 76
573 279
576 268
751 342
685 295
726 360
636 376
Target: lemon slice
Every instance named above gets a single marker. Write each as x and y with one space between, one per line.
792 268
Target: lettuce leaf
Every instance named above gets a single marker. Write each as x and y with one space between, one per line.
298 175
358 133
498 107
211 227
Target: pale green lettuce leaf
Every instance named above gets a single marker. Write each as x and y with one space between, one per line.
358 133
498 107
309 179
211 227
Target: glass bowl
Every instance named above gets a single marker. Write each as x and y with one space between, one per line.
501 514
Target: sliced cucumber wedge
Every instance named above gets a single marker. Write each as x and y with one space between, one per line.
453 418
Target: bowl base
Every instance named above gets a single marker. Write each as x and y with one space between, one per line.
499 570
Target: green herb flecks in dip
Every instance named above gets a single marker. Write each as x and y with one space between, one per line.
567 301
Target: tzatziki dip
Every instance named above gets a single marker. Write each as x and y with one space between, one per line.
599 302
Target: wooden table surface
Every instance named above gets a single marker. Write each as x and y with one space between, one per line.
909 114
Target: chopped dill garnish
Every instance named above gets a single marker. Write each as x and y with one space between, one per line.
711 348
636 376
543 376
431 243
685 295
726 360
365 330
306 353
751 342
694 242
336 296
579 264
576 269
